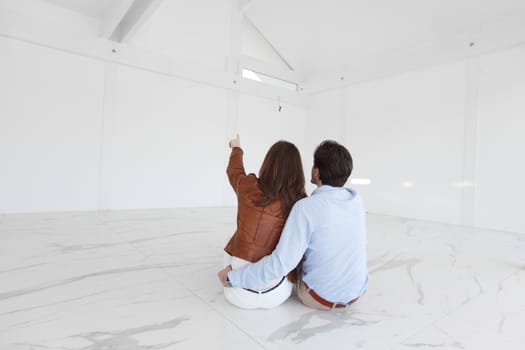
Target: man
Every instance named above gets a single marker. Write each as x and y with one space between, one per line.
324 237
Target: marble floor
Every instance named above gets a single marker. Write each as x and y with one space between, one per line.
147 280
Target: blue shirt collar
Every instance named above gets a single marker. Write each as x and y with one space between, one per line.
328 188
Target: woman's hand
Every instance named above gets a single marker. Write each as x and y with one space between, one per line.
236 142
223 276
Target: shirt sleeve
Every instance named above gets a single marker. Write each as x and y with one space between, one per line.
286 256
235 169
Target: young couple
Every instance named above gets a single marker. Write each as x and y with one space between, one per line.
284 237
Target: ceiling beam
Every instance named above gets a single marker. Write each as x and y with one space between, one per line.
111 21
245 4
138 13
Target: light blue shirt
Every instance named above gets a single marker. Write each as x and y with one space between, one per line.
328 230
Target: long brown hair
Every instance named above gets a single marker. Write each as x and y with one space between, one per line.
281 176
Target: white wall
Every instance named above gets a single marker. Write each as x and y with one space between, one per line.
166 144
261 124
443 143
325 121
500 186
49 129
82 134
412 124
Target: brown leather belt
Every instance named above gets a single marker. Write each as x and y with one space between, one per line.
326 302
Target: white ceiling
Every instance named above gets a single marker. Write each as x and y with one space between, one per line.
196 31
313 36
93 8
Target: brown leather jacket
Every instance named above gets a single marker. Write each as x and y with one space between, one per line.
258 228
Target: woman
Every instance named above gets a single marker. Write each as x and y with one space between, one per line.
263 206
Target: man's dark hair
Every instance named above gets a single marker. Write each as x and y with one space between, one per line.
334 163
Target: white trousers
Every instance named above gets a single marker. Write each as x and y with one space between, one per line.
249 300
